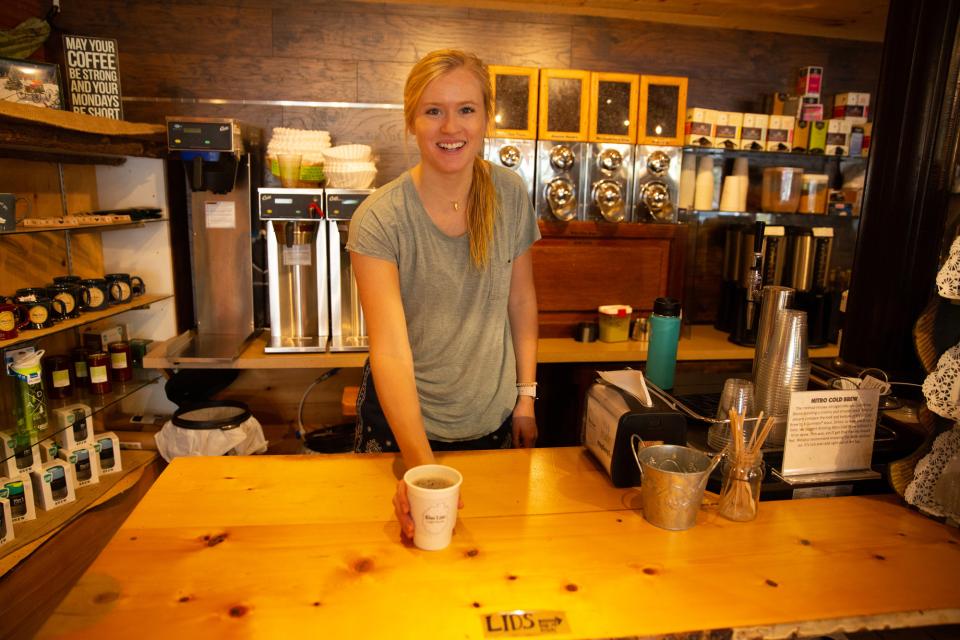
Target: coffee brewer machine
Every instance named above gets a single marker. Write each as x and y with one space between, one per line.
612 134
296 269
761 264
348 328
222 160
660 119
808 265
512 141
561 149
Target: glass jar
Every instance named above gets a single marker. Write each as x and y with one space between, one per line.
121 369
57 371
740 490
81 375
98 366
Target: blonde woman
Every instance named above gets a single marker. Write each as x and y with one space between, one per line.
442 261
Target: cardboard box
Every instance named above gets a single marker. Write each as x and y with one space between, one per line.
97 338
85 461
74 425
726 131
19 492
107 446
6 522
818 136
809 81
753 133
852 106
53 484
774 103
780 133
29 460
867 135
838 137
48 450
698 129
856 140
811 112
801 135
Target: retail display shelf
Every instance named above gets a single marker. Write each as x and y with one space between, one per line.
768 154
140 302
814 219
97 403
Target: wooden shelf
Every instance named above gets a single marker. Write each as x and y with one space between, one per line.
786 155
31 534
51 135
28 335
771 217
87 227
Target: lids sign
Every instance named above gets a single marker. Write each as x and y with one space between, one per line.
512 624
93 76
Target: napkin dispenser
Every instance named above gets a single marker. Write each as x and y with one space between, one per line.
612 416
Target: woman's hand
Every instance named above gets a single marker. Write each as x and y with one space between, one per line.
524 423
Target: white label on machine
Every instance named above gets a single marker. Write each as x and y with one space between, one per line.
220 214
299 255
830 431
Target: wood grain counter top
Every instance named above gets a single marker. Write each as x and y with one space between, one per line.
306 546
700 342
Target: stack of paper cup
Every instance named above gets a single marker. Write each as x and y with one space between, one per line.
735 186
741 171
703 192
688 181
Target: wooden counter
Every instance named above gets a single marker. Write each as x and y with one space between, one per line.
275 547
703 343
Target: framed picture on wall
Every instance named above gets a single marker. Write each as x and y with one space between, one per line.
30 82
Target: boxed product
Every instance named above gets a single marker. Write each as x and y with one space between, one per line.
818 136
74 425
726 130
867 134
780 133
856 140
801 135
97 339
838 137
774 103
86 464
809 81
6 522
753 133
811 112
698 130
17 461
53 484
48 450
852 106
19 492
107 446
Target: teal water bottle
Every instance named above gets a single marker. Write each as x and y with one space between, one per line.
32 401
664 335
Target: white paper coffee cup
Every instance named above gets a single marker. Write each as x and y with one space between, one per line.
434 510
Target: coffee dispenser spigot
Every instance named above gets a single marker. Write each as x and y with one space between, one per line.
755 276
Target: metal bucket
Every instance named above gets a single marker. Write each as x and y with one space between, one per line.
673 481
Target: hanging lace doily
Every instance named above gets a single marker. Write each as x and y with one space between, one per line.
948 278
942 387
923 491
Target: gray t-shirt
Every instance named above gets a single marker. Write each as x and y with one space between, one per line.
456 315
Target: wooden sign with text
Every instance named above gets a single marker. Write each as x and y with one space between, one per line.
93 76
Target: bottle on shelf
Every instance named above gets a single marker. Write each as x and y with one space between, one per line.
664 337
31 396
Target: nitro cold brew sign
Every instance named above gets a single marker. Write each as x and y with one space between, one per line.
93 76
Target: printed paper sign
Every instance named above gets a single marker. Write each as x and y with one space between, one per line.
830 431
220 214
93 76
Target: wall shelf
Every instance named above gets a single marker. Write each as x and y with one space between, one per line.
89 317
111 226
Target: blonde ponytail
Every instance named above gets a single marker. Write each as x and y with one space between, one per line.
483 206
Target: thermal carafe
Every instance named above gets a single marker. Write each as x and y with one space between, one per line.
348 328
809 267
222 161
730 278
746 310
296 269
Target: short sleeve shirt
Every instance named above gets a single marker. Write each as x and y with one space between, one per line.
456 314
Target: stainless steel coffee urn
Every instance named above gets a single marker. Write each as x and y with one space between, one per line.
297 270
348 328
222 162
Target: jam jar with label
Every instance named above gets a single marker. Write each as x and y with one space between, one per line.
121 364
57 370
98 366
81 375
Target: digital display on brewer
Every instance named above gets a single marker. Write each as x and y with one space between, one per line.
192 129
283 200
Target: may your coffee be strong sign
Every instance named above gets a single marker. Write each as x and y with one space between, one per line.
93 76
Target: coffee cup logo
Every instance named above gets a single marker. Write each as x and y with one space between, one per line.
96 297
69 303
435 517
7 321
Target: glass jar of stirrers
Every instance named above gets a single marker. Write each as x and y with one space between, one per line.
742 470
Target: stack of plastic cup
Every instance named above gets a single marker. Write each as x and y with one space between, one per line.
783 369
737 394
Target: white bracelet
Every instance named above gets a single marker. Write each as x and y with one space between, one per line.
527 390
